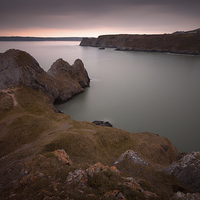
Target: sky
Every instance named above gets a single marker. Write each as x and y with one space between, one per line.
90 18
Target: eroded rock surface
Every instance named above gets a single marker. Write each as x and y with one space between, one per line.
188 196
61 83
70 80
63 157
133 156
187 170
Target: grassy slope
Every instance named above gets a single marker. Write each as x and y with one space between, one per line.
31 131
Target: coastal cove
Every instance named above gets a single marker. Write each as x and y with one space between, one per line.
134 91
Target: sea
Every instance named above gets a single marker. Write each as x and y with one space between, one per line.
134 91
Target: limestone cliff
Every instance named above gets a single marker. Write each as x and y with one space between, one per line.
182 43
70 80
20 68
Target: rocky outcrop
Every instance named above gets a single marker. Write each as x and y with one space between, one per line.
188 196
133 156
70 80
174 43
83 178
63 157
61 82
102 123
187 170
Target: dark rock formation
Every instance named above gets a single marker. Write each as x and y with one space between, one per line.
174 43
188 196
70 80
187 170
61 82
133 156
102 123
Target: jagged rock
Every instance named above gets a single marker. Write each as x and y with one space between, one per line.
19 67
188 196
63 157
102 123
132 183
116 194
70 80
187 170
61 82
133 156
82 175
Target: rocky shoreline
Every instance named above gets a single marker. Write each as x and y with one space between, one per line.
47 155
181 43
60 83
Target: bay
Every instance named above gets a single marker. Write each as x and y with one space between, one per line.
134 91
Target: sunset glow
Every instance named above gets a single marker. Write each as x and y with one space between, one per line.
50 18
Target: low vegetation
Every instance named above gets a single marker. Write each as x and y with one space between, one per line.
30 133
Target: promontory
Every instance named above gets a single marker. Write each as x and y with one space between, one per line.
44 154
179 42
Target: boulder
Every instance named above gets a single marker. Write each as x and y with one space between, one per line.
102 123
187 170
133 156
63 157
188 196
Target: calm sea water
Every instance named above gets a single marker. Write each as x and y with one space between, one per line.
134 91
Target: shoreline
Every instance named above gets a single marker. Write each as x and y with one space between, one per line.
185 43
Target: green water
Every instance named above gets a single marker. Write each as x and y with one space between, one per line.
134 91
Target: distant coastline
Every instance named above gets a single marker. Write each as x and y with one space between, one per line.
180 42
19 38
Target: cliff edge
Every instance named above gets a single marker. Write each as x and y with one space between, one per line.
20 68
181 43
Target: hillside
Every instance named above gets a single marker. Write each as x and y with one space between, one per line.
47 155
180 42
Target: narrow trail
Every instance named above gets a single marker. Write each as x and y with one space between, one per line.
11 93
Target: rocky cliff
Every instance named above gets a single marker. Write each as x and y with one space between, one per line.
47 155
182 43
20 68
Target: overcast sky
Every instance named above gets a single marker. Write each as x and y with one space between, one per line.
90 18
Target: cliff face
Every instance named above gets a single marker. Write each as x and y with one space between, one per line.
70 80
186 43
20 68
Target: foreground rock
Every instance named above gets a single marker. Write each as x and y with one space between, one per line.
187 170
132 156
20 68
188 196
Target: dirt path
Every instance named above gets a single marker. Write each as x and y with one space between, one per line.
11 93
